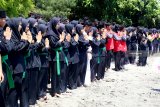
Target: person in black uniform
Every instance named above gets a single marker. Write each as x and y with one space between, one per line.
132 47
74 57
56 41
43 73
82 47
98 55
33 62
142 61
16 57
65 68
155 42
102 53
5 48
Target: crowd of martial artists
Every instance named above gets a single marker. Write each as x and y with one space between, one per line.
65 54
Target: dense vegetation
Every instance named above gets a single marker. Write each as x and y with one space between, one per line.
129 12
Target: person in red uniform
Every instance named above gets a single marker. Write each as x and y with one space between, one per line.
117 46
109 45
123 47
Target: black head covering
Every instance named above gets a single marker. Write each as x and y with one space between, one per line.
115 28
79 27
40 21
154 30
14 25
81 21
87 23
101 25
51 30
33 28
130 29
69 28
32 21
61 28
95 31
53 23
74 22
42 28
24 24
2 13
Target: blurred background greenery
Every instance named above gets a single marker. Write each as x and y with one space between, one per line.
128 12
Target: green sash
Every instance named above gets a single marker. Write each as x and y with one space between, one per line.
99 58
66 60
25 58
9 72
58 59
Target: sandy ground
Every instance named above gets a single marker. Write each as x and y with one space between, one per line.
135 87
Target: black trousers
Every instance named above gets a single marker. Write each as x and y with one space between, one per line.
117 57
2 101
4 88
159 46
132 48
73 76
32 85
101 68
155 48
108 58
142 58
97 69
19 92
42 82
49 71
64 77
58 82
94 68
122 59
82 66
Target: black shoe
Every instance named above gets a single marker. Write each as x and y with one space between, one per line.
116 69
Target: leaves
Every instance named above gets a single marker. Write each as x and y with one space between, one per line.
50 8
17 7
127 12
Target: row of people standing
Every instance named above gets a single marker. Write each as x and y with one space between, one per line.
36 48
70 54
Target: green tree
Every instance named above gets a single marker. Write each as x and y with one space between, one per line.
50 8
140 12
17 7
127 12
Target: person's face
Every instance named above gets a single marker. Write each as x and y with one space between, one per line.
57 26
96 22
87 28
35 25
27 28
102 30
2 22
73 30
108 27
20 27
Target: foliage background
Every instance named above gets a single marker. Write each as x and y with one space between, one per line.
128 12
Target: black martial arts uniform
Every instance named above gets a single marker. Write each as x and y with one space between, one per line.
98 58
74 59
43 73
18 66
132 47
5 48
57 56
82 47
33 68
143 52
